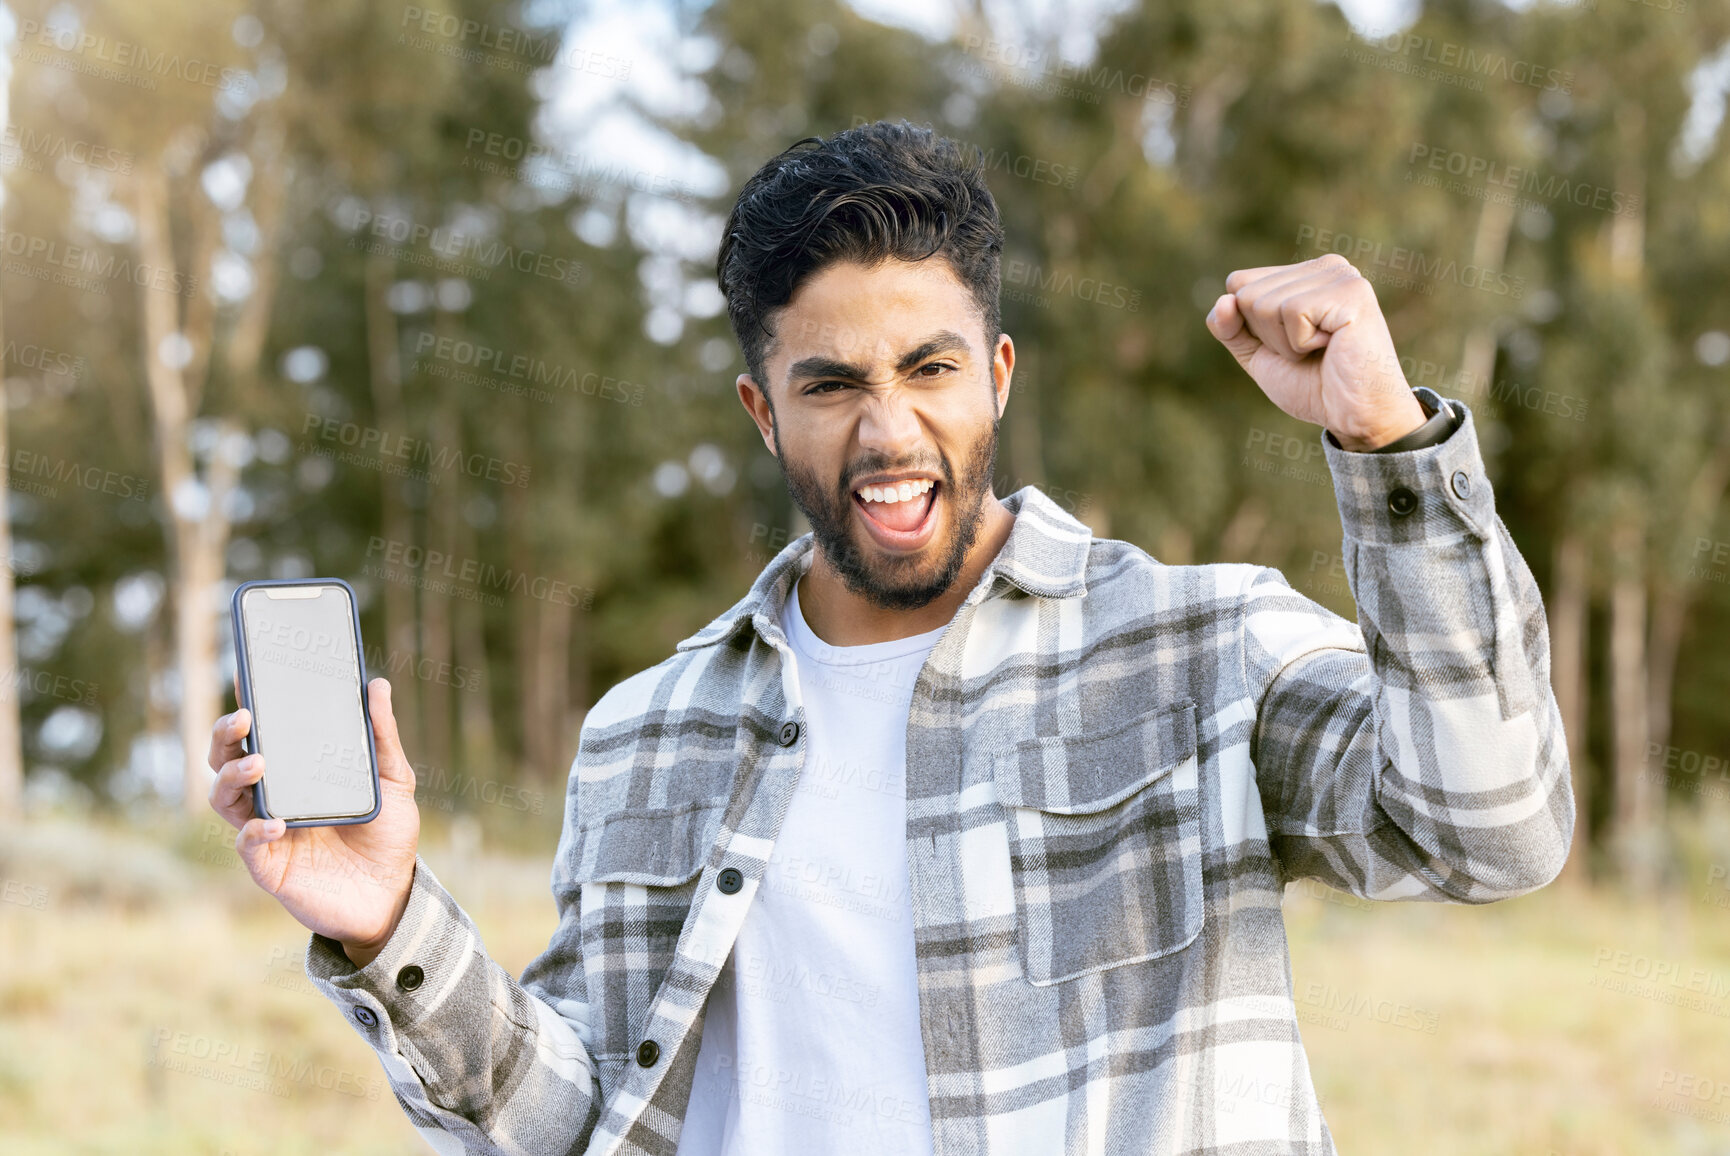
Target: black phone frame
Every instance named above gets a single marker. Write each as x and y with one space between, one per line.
250 741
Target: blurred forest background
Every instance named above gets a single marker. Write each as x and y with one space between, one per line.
422 295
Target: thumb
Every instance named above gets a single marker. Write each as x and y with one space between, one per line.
393 764
1226 323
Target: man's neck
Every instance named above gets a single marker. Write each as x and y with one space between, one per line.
840 617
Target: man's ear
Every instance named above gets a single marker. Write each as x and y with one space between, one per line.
1002 369
756 402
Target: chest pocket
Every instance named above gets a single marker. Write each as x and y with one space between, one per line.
654 846
1104 844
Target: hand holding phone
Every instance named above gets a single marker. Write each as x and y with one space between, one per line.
346 877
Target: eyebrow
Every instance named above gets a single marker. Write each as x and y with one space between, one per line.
944 341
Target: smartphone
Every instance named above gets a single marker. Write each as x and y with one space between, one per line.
298 652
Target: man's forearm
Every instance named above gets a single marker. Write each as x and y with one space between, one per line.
467 1047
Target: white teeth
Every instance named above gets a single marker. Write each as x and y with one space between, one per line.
901 492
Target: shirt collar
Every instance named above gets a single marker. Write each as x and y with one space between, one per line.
1045 555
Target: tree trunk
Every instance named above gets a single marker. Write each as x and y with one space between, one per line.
1673 597
1640 797
1243 532
1567 617
474 699
1637 798
1478 357
197 510
553 689
11 734
385 373
435 609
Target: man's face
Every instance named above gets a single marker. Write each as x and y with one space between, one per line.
882 385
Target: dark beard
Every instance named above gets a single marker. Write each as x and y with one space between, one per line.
893 584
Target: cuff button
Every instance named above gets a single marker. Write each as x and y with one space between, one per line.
789 733
364 1016
1402 502
1462 484
410 977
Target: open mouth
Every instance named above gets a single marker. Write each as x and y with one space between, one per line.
899 515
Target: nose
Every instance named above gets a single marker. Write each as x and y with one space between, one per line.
889 426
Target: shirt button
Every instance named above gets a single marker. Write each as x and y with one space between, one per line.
410 977
730 880
648 1052
1402 502
789 733
1462 484
365 1016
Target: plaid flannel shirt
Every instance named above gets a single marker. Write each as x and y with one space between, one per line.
1114 766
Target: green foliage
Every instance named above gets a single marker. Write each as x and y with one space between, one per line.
1200 138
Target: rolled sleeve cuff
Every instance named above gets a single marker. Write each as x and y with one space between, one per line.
416 969
1435 491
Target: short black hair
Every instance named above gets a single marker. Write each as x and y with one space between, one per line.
874 192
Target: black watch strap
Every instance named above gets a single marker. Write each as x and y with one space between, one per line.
1441 423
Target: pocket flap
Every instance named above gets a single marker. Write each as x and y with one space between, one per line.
1075 776
657 846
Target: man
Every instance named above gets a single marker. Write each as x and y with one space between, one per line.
964 831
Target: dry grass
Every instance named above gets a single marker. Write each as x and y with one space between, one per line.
144 982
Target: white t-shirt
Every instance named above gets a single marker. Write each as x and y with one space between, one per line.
811 1043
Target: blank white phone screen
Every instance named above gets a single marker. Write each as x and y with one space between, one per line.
306 701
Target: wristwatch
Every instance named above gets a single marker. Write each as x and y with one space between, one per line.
1441 422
